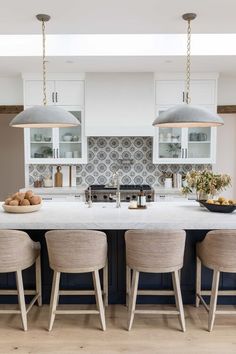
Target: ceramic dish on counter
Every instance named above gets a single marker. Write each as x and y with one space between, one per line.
217 208
19 209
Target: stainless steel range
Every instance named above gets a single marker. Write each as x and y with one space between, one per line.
128 192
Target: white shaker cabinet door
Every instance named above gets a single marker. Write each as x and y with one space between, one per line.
169 92
33 94
203 92
69 92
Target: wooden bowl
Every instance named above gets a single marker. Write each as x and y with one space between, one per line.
216 208
21 209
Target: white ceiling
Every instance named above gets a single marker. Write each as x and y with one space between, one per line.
117 16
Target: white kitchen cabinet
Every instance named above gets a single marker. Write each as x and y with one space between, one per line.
57 145
183 145
47 145
170 89
59 92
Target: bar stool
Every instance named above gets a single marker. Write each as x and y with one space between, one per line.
78 251
217 252
18 252
154 251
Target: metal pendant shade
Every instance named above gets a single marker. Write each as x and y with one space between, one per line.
187 115
44 116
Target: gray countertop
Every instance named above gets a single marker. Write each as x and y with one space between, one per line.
105 216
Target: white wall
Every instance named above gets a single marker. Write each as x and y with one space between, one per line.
226 152
118 102
227 90
11 91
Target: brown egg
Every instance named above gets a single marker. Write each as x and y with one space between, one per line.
36 199
14 202
7 201
29 194
18 196
24 202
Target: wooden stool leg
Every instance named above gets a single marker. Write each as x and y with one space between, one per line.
133 298
21 297
54 298
98 295
128 284
213 302
38 280
198 280
105 284
178 299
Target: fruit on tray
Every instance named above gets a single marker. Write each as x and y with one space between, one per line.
23 199
221 201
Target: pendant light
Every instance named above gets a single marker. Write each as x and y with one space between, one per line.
187 115
44 116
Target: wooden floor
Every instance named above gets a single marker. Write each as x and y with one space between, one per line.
150 334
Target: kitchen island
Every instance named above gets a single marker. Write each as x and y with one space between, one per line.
196 220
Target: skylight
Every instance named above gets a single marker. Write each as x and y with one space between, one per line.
118 45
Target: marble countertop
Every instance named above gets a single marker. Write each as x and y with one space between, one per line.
105 216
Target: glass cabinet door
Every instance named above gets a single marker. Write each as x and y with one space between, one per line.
199 142
70 140
41 143
169 146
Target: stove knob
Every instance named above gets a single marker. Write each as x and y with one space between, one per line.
105 196
128 198
134 196
94 196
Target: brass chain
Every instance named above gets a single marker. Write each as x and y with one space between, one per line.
44 65
188 64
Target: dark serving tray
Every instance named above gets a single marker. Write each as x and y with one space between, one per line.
215 208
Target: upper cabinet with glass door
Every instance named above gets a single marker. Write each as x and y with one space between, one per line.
57 145
183 145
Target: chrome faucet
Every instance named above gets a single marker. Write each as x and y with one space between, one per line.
116 183
90 203
118 205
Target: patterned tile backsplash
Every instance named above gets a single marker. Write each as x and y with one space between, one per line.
131 156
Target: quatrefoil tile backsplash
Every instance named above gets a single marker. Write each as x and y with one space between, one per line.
131 156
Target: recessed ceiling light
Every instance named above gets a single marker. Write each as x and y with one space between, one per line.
69 62
168 61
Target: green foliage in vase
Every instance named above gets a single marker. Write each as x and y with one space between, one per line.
205 182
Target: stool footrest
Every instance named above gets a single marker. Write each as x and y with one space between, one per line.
226 312
156 292
220 292
2 312
14 292
77 312
158 312
76 292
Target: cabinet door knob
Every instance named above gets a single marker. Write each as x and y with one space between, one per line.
54 153
56 97
182 153
53 97
57 153
183 96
